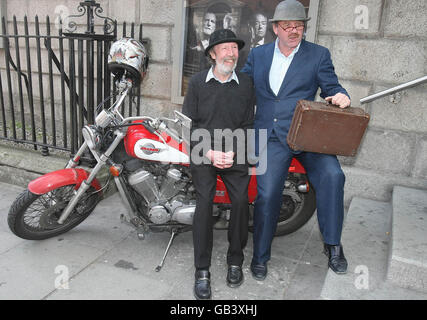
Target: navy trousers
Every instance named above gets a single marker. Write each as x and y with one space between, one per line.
327 178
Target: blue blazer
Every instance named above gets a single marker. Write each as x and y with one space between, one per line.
310 70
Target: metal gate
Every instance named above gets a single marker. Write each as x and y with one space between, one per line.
51 85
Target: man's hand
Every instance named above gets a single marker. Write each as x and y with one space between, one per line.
340 99
221 160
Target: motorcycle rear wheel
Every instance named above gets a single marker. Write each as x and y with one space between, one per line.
297 208
34 217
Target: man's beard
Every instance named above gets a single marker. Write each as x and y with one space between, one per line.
225 69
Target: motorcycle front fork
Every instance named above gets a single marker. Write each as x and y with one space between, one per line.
101 161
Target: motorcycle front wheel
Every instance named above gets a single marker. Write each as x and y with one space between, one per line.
35 217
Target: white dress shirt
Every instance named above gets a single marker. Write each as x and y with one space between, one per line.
280 66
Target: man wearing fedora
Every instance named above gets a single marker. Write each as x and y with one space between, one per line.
219 98
284 72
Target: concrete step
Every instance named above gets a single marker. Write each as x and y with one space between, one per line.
366 237
19 166
408 252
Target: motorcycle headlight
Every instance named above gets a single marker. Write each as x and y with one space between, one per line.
91 136
104 119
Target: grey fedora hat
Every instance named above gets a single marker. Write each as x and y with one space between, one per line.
289 10
222 36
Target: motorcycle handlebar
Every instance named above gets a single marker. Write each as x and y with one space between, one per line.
130 119
165 128
153 123
156 124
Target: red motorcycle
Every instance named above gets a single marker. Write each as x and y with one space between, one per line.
149 162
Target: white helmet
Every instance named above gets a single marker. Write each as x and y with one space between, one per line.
129 56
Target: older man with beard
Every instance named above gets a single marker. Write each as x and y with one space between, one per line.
219 98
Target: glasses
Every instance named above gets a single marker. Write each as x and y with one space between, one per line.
289 29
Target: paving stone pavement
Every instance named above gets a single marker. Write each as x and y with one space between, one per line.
104 259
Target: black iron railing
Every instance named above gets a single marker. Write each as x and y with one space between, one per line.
51 85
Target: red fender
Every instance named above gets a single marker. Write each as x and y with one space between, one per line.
221 195
296 167
60 178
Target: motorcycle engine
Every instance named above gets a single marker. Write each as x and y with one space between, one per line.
163 201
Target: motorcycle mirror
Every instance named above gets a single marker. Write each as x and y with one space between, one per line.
185 127
186 121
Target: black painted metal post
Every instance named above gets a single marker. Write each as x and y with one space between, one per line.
51 86
63 100
45 150
3 110
30 83
9 79
81 87
99 73
107 77
114 84
18 69
90 17
90 80
138 91
73 117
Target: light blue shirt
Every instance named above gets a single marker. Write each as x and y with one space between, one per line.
211 75
280 66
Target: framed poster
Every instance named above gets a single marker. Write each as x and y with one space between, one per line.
197 19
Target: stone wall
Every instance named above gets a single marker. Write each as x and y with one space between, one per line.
389 52
375 45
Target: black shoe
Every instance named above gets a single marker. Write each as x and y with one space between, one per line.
234 276
259 271
202 285
337 261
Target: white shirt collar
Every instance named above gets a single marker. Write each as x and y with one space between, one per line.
211 75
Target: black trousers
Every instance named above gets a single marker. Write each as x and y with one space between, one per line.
236 180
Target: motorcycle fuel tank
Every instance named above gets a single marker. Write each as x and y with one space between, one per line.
142 144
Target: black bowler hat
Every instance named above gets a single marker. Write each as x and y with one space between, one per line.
222 36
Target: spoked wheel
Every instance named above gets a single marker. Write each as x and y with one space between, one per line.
35 217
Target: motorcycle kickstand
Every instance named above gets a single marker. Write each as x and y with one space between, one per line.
174 234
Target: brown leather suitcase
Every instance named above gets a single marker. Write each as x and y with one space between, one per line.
325 128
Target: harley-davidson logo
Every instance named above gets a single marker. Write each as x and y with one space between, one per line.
149 148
